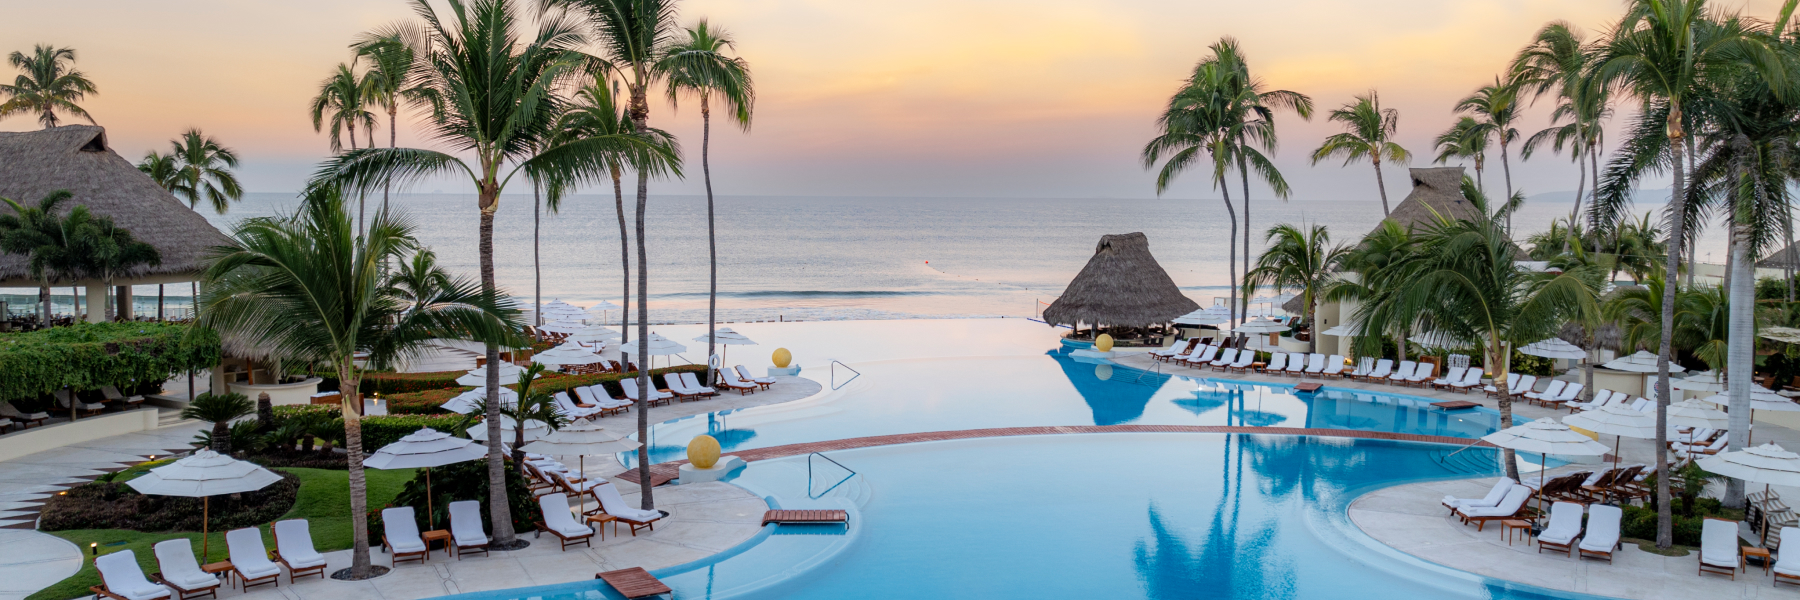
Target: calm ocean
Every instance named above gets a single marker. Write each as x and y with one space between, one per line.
814 258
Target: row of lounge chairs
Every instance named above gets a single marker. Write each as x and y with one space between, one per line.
178 572
1507 501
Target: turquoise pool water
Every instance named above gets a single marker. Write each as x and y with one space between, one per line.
910 396
1164 516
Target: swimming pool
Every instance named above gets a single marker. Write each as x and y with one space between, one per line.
1142 515
1054 388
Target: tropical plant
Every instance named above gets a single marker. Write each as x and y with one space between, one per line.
203 171
1300 259
45 239
1560 60
700 66
106 251
533 405
499 102
220 410
392 51
164 169
1192 129
1380 262
339 106
1494 108
50 84
306 287
1370 131
419 279
1464 139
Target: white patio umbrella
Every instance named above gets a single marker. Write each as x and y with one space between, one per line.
602 308
1760 399
1788 335
569 353
203 475
1545 437
1213 315
1343 329
728 338
1767 464
509 373
593 333
560 308
1553 348
1439 339
1643 361
581 439
424 449
534 429
467 401
1694 413
1704 381
658 346
1260 326
562 326
1616 421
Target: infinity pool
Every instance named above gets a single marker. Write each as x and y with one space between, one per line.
1140 515
911 396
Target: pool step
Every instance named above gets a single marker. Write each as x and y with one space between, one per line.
1471 462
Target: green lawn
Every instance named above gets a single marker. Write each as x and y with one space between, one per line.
324 501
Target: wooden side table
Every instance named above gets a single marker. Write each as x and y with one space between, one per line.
599 522
1510 527
222 567
1761 554
1257 366
436 535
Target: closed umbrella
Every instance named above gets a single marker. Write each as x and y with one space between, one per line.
203 475
581 439
1545 437
424 449
478 376
1615 421
468 401
569 353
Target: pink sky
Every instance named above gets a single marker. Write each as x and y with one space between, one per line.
1035 98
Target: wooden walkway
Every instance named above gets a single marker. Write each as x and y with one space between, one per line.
634 582
805 516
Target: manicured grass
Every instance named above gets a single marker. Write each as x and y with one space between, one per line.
324 501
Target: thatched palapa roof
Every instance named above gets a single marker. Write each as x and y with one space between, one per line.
1121 285
1781 259
77 158
1437 190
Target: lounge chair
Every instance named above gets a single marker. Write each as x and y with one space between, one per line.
1471 378
1716 446
614 504
1454 376
1784 569
561 523
1526 382
294 549
177 569
1205 358
465 528
1180 348
631 392
731 382
680 388
1334 365
1602 536
1569 393
1719 547
602 400
1564 527
1364 365
573 485
1701 436
1492 498
1512 381
25 420
1244 360
1422 374
568 409
745 375
250 558
400 533
1509 507
121 579
1404 371
1192 356
86 409
1643 405
1297 364
1226 357
1277 362
1383 368
1315 365
1601 398
112 395
692 382
1556 387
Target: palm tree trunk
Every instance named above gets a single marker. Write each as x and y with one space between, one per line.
1506 169
1231 263
359 484
712 243
640 115
1479 167
44 298
1665 532
1380 184
499 511
1580 186
1739 351
1244 174
624 261
221 433
1498 355
537 264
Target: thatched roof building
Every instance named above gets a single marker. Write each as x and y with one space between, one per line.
77 158
1121 285
1781 259
1437 190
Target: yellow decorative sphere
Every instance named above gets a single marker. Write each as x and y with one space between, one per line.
1103 343
1103 372
781 358
703 452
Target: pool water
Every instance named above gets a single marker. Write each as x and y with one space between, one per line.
1053 388
1127 515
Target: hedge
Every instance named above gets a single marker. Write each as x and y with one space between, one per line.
88 356
387 382
377 430
428 402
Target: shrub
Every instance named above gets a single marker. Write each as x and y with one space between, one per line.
108 505
88 356
464 481
377 430
387 382
1640 522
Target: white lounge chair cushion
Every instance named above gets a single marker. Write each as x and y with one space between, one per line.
1508 506
465 523
293 539
745 374
1565 524
176 560
1719 543
248 554
1602 528
120 572
614 505
402 530
693 384
558 518
1492 498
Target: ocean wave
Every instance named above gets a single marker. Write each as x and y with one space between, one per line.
803 294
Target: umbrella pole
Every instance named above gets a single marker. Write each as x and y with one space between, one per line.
429 514
1543 461
581 467
205 540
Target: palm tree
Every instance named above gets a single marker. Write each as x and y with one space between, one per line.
46 239
1495 107
164 169
497 89
1380 262
1304 260
338 107
1465 139
392 52
107 251
50 84
700 67
308 288
419 279
204 171
1560 60
634 37
1463 281
1370 134
220 410
1663 52
1192 130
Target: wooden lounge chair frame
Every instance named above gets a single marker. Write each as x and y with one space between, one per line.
567 541
100 590
460 548
247 582
293 572
181 593
400 557
741 390
1585 553
1728 572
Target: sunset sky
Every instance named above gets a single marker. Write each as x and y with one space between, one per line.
976 98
